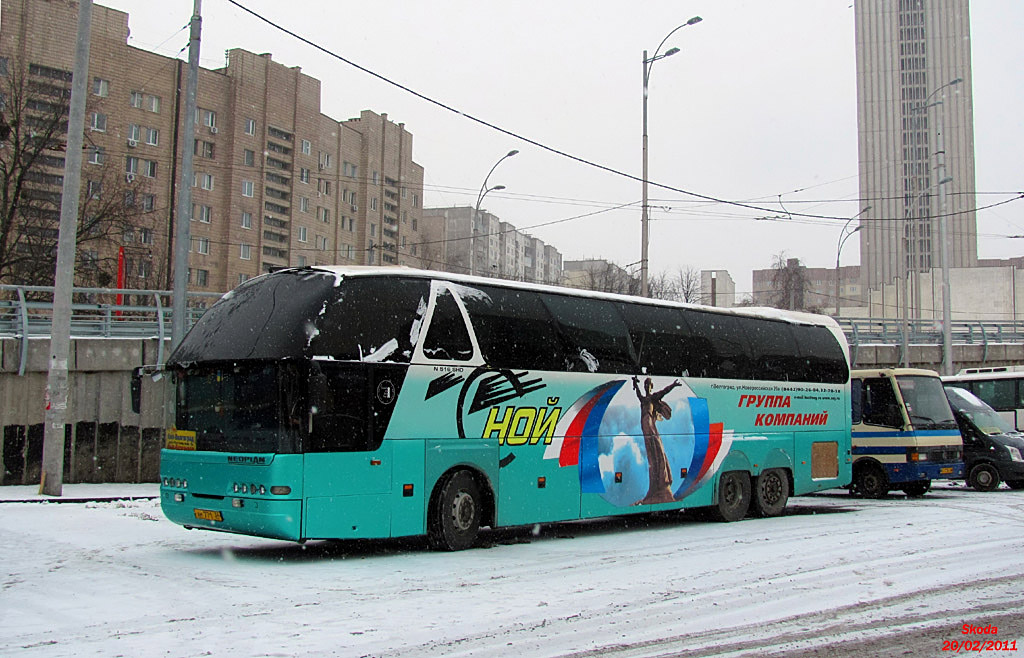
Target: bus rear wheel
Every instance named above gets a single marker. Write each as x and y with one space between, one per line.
454 519
733 497
771 493
984 477
869 481
917 489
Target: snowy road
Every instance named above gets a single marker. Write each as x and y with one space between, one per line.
836 576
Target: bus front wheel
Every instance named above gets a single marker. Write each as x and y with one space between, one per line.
771 493
917 489
869 481
455 516
984 477
733 496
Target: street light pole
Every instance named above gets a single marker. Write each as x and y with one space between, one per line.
476 209
644 211
843 236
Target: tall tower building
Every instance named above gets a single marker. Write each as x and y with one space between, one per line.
915 125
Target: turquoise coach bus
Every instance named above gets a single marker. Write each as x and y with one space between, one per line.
338 403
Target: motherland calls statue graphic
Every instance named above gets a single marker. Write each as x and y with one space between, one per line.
653 409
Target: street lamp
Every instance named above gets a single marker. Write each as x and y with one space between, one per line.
476 210
644 219
843 236
911 258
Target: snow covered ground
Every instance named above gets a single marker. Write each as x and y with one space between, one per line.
836 576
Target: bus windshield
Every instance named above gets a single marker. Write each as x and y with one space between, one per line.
926 402
984 417
241 407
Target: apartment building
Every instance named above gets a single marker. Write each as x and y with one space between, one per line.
276 181
463 240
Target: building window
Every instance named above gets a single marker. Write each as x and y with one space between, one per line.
306 147
247 188
199 277
93 189
131 165
250 126
246 252
321 243
99 122
205 181
303 237
301 262
153 137
201 213
414 223
303 204
375 178
206 118
96 155
249 158
324 214
304 175
203 148
146 235
149 168
135 99
100 87
202 245
325 160
152 103
246 219
350 170
373 229
149 202
134 134
242 278
373 203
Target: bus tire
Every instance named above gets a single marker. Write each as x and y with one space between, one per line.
917 489
771 493
454 520
733 497
1016 485
984 477
869 481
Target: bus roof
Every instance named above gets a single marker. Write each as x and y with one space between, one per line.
342 271
884 372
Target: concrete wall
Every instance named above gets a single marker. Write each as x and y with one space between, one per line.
105 441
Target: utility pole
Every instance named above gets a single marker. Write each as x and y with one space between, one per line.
51 482
184 214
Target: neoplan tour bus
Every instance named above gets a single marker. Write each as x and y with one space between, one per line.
342 403
904 432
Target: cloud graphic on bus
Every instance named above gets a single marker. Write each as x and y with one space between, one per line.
601 435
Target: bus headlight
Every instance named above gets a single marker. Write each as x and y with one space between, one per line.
1015 454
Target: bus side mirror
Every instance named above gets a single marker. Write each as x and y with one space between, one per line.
856 403
136 389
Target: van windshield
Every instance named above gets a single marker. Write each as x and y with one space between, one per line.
984 417
926 402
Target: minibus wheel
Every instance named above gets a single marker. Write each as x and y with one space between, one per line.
984 477
869 481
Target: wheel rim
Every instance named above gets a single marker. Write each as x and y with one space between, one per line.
730 493
463 511
871 482
984 477
772 490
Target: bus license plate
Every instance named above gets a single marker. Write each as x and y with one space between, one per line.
208 515
948 470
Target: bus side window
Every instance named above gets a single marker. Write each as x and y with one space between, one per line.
595 332
880 406
659 335
447 338
514 329
856 402
822 353
776 353
726 345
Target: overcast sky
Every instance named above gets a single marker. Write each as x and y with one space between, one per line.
760 102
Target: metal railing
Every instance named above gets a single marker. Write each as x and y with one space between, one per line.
27 311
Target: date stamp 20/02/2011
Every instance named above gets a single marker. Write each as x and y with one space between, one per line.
977 646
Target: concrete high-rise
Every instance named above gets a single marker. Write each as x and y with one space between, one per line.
915 125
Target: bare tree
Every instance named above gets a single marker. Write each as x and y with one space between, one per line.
687 282
789 282
34 105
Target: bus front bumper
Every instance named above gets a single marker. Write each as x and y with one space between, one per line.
916 471
275 519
